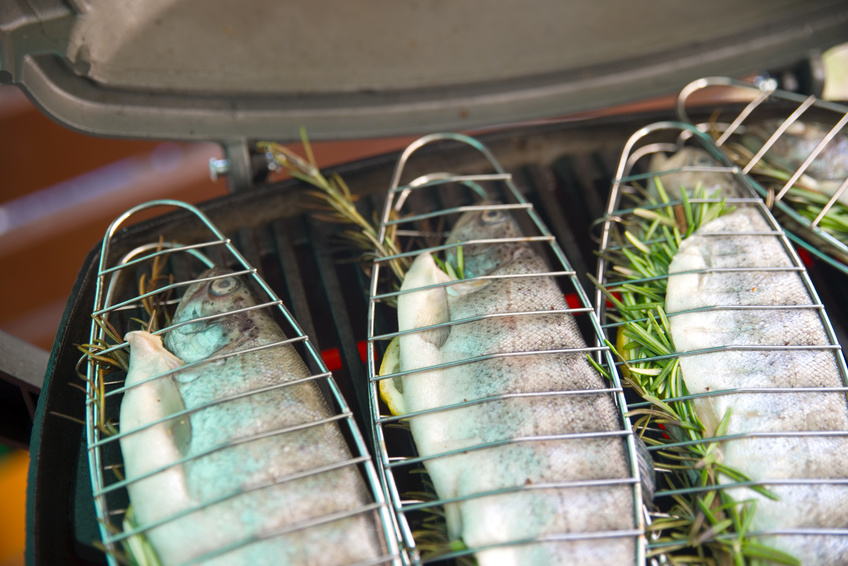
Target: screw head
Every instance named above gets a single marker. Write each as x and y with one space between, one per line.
218 168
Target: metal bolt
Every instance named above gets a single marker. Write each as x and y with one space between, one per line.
766 83
218 168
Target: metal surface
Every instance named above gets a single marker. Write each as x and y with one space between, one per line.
116 299
22 369
827 243
440 197
624 200
191 70
28 363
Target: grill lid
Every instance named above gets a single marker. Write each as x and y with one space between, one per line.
213 70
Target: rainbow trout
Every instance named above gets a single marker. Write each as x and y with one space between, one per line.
521 460
771 458
251 444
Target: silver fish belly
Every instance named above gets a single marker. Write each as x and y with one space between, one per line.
521 460
774 457
146 447
255 441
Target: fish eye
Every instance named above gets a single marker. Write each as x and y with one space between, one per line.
704 161
223 286
493 216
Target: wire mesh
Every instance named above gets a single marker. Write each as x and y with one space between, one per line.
323 504
795 150
447 391
716 323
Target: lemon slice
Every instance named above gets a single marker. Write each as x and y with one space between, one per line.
391 390
620 342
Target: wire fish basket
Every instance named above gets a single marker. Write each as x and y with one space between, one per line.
257 458
795 148
722 335
496 438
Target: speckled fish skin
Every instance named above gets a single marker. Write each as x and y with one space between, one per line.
793 147
523 514
694 157
249 479
800 506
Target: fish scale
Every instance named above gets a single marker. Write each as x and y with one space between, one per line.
761 458
522 463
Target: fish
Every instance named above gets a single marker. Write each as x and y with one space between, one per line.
825 173
494 447
695 160
727 242
242 470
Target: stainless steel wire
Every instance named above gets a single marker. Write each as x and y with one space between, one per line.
497 187
115 282
624 202
804 220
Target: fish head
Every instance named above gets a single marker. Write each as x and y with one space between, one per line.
225 330
797 142
488 224
787 150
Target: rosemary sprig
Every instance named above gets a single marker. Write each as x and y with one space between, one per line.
340 206
339 200
701 527
138 549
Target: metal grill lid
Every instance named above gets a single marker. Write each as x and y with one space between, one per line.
215 70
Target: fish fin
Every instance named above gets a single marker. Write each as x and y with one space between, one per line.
427 307
391 390
465 287
647 474
453 518
179 428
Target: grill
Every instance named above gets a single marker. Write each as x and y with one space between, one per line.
563 169
185 70
307 266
